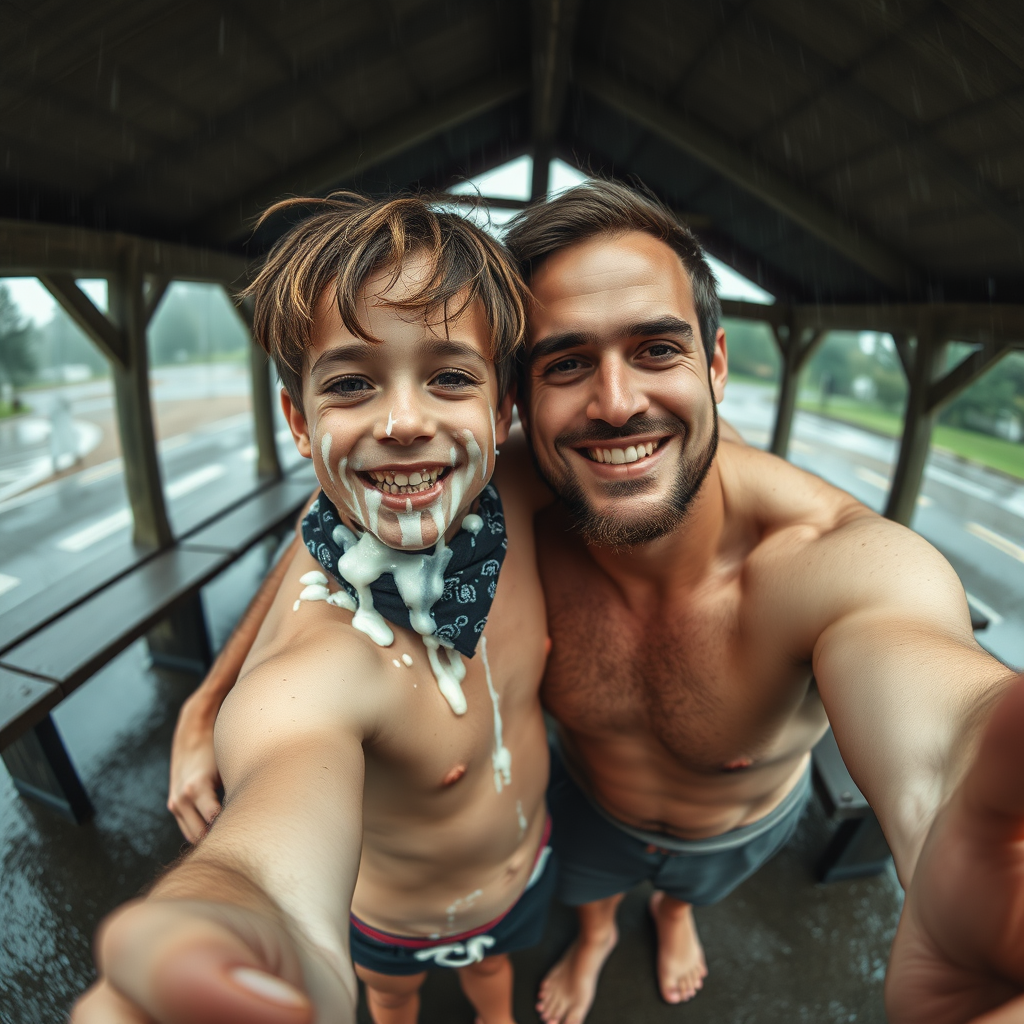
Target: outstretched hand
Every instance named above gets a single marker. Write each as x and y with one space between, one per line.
175 962
958 956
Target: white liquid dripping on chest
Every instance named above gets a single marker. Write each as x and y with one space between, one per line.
521 819
501 759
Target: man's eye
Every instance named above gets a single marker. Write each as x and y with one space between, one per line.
453 380
660 350
565 366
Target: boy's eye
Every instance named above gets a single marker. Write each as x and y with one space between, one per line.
349 386
453 380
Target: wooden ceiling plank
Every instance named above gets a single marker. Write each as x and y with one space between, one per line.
767 184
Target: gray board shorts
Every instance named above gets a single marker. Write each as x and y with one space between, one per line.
599 856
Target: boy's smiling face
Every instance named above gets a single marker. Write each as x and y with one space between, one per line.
402 431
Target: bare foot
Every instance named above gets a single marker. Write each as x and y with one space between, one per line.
567 992
681 965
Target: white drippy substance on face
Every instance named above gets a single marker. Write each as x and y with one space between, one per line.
501 759
313 578
412 530
521 819
325 454
462 903
407 661
295 607
373 502
391 423
473 523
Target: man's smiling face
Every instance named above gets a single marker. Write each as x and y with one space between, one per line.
620 398
402 431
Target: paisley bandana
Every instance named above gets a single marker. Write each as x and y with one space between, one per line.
470 579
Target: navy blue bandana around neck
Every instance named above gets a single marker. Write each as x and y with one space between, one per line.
470 577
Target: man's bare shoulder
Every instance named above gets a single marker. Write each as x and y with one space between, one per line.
516 478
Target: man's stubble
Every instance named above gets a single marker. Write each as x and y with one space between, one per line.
605 529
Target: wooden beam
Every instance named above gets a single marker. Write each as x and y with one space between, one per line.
337 164
796 350
268 465
964 374
962 321
31 247
743 169
82 310
554 29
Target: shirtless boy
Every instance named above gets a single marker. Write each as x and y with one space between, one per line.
364 744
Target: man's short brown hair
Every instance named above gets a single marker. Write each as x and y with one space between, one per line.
602 207
349 238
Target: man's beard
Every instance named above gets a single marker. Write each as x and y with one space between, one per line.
605 529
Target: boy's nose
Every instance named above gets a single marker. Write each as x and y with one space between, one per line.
408 419
616 395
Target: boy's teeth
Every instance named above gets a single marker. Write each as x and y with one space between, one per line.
402 483
620 456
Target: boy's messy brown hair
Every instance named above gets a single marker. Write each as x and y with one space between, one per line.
349 238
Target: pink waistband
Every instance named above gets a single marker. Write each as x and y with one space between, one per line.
408 942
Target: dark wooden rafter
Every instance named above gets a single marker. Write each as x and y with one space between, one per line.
301 82
937 158
554 30
341 162
710 147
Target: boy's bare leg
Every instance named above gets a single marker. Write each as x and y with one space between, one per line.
681 965
393 999
488 986
567 993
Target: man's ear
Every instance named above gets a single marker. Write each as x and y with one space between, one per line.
503 416
718 371
297 425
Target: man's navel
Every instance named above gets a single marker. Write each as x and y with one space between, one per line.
454 775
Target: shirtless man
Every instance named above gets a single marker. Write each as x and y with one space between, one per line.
363 742
703 586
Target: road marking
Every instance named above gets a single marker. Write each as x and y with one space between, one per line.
248 454
100 472
192 482
869 476
95 532
990 613
997 540
8 582
959 483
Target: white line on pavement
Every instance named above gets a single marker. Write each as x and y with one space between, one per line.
193 481
869 476
990 613
95 532
959 483
997 540
8 583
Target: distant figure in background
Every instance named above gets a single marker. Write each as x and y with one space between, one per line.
63 436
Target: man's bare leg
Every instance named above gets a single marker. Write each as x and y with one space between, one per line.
567 993
488 986
681 965
393 999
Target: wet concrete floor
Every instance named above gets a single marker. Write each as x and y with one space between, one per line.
780 948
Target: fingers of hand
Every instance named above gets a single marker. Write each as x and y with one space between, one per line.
102 1004
177 966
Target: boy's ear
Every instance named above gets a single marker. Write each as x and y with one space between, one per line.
297 425
503 416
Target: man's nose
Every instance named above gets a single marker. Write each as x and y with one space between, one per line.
617 395
408 418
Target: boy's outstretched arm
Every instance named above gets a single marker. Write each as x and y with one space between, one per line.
194 779
253 924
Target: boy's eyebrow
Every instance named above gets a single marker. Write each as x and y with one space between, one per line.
555 343
360 349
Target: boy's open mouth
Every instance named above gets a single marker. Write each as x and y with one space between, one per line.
405 481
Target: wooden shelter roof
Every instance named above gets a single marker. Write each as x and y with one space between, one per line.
846 151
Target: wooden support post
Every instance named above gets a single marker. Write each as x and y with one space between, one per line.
268 464
917 427
42 771
795 351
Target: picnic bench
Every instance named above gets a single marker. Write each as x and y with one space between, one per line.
51 644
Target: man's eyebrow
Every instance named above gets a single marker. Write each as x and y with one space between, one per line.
555 343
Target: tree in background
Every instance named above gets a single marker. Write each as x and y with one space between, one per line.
993 404
17 358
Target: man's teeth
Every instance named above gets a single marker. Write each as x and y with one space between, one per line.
402 483
620 456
